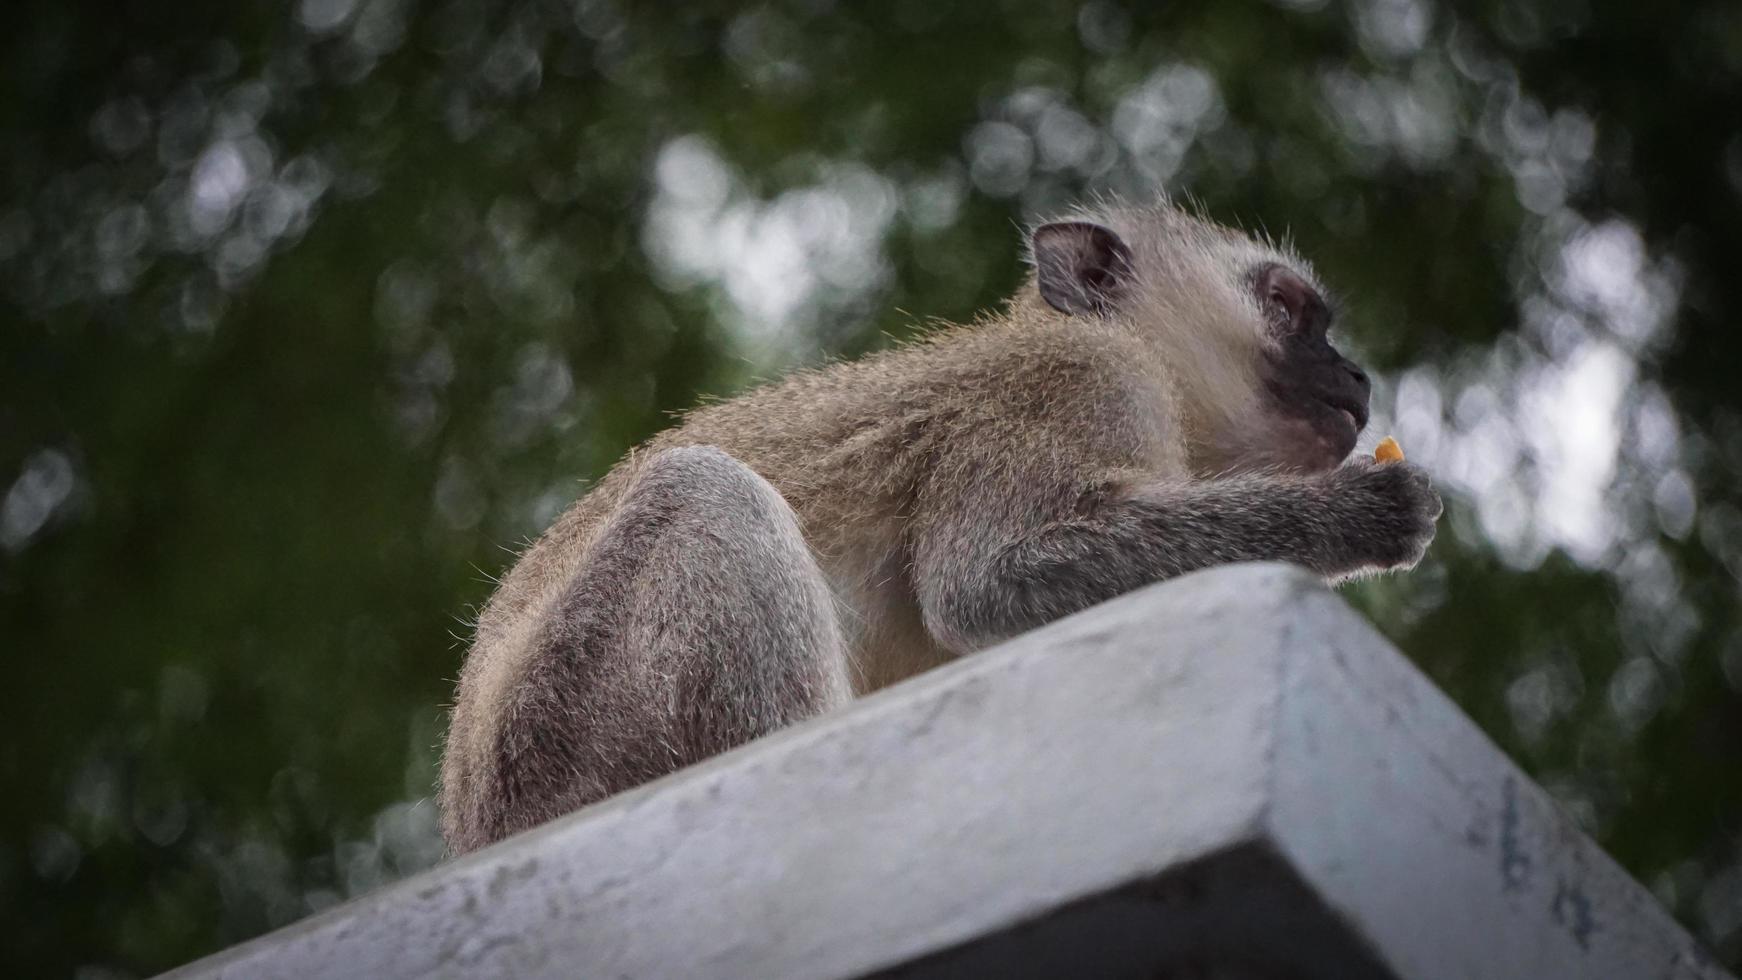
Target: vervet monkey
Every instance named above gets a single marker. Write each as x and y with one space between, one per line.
1159 397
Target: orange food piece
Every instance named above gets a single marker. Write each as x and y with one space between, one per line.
1388 451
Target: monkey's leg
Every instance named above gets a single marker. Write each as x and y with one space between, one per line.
699 621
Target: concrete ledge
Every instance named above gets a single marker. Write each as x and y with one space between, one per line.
1231 771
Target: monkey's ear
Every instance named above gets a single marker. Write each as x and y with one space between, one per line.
1081 267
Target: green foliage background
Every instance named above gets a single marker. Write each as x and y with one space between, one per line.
311 312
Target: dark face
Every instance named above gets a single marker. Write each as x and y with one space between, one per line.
1318 396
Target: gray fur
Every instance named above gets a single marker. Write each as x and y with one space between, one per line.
699 621
837 531
1359 518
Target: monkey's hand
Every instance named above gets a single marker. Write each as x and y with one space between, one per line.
1385 514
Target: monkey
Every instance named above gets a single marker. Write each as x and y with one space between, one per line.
1160 395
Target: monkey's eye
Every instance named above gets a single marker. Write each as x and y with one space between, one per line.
1290 303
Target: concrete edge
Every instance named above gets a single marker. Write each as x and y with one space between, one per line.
1402 813
1042 761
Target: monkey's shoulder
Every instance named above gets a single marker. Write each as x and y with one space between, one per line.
1040 374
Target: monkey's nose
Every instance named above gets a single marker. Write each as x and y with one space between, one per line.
1359 375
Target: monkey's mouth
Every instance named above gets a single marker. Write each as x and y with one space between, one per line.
1324 420
1352 412
1341 421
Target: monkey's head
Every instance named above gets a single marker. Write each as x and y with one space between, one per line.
1239 327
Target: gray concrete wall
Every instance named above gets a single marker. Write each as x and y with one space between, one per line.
1231 773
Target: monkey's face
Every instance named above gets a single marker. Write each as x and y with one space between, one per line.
1316 397
1239 330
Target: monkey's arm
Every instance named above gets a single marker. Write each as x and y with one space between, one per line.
1000 566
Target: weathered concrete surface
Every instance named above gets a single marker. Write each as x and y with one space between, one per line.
1231 772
